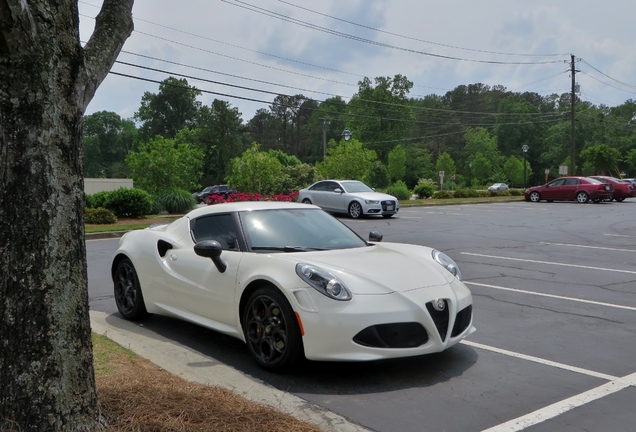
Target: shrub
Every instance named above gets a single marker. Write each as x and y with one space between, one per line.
99 199
515 192
131 203
399 190
443 194
89 201
424 190
100 216
174 201
465 193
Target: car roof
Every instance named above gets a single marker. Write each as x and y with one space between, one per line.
247 206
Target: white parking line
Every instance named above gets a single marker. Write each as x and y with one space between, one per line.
588 247
540 360
618 235
558 408
551 296
549 263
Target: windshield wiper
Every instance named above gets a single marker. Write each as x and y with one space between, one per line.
287 248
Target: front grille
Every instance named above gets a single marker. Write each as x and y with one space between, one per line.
387 203
462 320
440 318
394 335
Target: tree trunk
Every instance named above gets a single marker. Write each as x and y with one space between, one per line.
46 81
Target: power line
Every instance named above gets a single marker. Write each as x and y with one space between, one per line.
238 3
416 39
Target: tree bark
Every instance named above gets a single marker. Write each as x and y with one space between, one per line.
46 81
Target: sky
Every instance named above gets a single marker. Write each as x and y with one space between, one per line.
246 52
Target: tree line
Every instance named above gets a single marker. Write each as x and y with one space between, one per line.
475 134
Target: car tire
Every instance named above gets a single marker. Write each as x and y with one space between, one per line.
619 199
355 210
306 201
535 197
582 197
272 333
128 296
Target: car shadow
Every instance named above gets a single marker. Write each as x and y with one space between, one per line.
311 377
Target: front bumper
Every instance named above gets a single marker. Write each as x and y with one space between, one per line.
374 327
382 208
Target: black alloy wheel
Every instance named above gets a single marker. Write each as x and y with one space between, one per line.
271 331
130 301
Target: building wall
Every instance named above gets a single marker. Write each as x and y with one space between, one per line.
94 185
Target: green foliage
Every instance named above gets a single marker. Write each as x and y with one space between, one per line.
443 194
175 107
348 160
399 190
297 176
601 159
129 203
99 199
424 190
513 170
515 192
446 163
482 168
100 216
377 177
174 201
256 172
465 193
397 163
162 164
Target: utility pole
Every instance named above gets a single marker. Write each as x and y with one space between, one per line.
325 123
573 72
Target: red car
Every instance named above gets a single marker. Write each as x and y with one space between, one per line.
622 189
581 189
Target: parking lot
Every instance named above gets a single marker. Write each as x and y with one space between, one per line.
554 288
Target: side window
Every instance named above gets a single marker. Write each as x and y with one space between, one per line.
572 182
221 228
332 186
557 183
319 186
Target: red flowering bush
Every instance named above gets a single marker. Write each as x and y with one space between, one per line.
241 196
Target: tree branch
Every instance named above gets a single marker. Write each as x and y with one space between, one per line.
113 26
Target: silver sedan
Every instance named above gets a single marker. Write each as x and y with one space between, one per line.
349 196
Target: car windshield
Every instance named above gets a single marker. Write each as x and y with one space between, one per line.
353 187
294 230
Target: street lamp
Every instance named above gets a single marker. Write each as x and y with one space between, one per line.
346 134
525 149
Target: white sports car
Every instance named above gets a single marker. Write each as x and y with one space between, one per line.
292 281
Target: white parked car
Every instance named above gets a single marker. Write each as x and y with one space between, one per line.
498 187
349 196
292 281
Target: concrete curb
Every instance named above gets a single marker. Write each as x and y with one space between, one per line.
193 366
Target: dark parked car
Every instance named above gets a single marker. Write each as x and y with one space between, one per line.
223 190
581 189
621 189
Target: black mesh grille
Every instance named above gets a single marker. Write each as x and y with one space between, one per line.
388 203
462 320
395 335
440 318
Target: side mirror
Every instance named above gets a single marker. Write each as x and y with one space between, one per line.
337 190
211 249
375 236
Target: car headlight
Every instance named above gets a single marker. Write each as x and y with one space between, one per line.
372 201
323 281
448 263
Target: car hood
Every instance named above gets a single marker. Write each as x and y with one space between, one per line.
373 196
380 269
